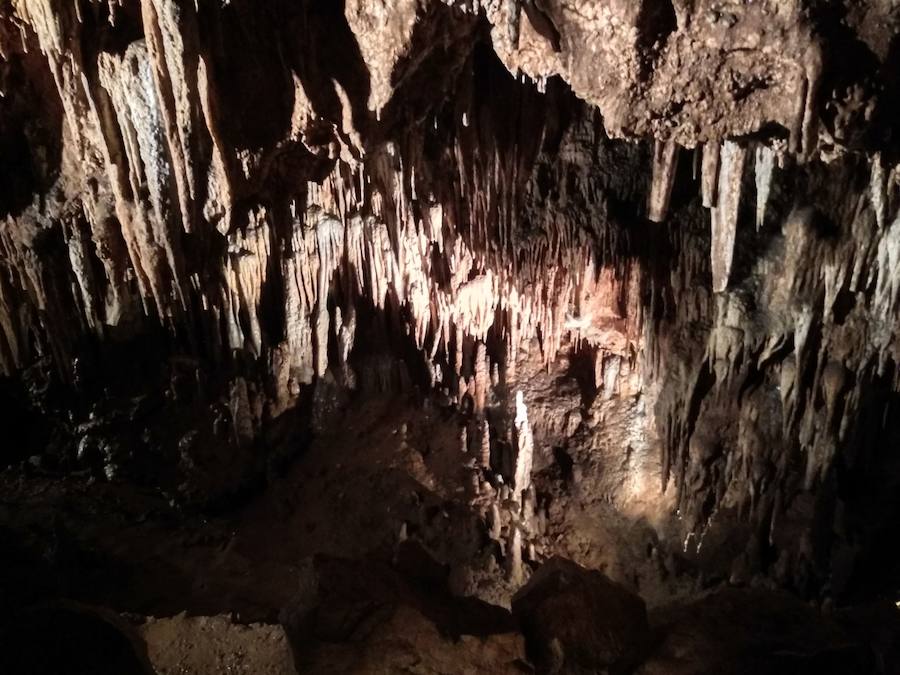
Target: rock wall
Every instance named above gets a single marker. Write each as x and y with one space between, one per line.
217 214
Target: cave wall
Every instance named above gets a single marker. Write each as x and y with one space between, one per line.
218 214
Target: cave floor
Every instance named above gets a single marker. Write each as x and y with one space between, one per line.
206 588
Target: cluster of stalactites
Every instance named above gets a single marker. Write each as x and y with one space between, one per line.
142 127
474 300
819 353
140 146
722 169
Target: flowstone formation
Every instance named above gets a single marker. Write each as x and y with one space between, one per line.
448 290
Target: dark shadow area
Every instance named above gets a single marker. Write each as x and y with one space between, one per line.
850 70
656 21
868 479
886 120
30 144
322 50
54 640
255 93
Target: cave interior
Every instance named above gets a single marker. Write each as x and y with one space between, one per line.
443 337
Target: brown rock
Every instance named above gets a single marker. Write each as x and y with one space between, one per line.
185 645
578 621
739 632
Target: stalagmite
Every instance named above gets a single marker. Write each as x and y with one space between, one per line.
833 377
485 454
725 214
525 449
528 509
241 416
665 161
514 555
495 522
474 483
482 378
346 337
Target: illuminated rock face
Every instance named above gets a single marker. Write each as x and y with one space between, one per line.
653 247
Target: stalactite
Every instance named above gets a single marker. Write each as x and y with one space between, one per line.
725 214
169 29
765 167
152 244
514 568
811 62
709 174
665 160
79 258
10 353
346 337
524 449
246 270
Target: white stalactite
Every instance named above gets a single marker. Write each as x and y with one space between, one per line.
709 174
665 161
765 167
725 214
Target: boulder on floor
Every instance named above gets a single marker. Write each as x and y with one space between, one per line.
352 616
579 621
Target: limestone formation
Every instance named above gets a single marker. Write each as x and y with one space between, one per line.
626 275
524 450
